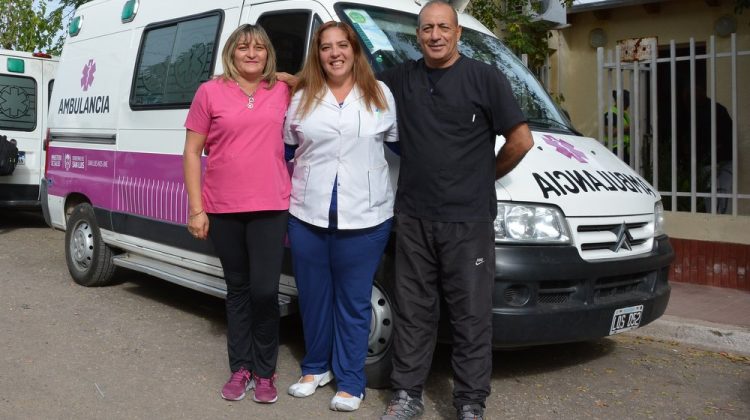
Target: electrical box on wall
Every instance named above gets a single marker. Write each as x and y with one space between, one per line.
551 11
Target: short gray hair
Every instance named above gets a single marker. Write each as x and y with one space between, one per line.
435 2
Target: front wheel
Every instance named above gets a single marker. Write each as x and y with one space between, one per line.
378 365
89 259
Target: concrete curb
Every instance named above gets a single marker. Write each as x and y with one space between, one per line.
707 335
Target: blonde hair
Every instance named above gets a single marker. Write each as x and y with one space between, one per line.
247 33
312 78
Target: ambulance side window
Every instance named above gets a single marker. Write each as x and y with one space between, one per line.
174 58
17 103
290 35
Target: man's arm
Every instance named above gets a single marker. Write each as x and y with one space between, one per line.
518 141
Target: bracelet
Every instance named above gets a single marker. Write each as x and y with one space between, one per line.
197 214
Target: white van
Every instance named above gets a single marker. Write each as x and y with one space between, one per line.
26 81
581 250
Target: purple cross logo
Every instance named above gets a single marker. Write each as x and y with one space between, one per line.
88 75
565 148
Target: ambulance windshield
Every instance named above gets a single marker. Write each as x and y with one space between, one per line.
390 38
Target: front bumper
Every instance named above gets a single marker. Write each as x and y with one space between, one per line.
546 295
19 196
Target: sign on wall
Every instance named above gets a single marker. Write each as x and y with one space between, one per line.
637 49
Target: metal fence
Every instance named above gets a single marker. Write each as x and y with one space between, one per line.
689 152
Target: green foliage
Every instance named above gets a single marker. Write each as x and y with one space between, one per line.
25 27
523 35
72 4
519 31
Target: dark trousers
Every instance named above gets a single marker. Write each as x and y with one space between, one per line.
251 249
457 259
334 270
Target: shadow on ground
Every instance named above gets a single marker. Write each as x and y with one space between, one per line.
513 365
201 305
508 365
11 219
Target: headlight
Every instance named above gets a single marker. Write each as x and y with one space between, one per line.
530 224
659 219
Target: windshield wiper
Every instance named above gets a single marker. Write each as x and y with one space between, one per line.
546 122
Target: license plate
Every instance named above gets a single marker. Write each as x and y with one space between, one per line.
626 319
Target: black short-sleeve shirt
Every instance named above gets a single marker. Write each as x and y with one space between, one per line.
447 132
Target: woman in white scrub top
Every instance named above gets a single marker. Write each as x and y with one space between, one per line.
341 207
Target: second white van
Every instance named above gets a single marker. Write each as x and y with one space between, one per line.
26 81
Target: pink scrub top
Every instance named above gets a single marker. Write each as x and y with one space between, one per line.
245 168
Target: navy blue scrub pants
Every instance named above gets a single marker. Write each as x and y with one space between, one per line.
251 249
334 271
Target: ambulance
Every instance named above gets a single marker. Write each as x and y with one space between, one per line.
26 81
581 251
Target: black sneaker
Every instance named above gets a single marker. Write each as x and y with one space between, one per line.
470 412
403 407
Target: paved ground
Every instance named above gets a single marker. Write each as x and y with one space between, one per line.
711 304
146 349
711 318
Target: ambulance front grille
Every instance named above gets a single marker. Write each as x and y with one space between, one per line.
613 287
613 237
556 292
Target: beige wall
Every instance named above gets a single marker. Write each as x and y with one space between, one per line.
703 227
574 66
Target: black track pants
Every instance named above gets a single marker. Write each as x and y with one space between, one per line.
457 260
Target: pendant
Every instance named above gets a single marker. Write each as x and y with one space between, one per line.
250 102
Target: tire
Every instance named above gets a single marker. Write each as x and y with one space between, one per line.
89 259
378 365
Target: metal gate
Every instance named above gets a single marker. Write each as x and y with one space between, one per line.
692 173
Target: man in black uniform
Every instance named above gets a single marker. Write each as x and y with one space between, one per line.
450 108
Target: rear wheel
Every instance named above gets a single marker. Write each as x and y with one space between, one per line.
89 259
378 364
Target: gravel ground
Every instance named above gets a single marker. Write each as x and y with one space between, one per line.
144 349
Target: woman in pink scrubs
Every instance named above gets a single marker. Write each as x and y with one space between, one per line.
242 205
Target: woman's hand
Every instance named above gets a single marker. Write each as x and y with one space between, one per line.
191 160
198 225
287 78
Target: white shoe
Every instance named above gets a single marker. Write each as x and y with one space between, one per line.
305 389
345 403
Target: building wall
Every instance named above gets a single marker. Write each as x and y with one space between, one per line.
678 20
709 249
574 66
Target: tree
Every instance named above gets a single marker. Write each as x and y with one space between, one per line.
523 35
25 27
520 32
72 4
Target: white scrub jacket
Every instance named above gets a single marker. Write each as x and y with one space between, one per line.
345 143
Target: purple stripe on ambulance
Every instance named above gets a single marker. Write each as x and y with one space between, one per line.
148 184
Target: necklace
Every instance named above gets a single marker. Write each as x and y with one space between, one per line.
250 96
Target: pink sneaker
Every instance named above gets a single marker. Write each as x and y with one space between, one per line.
265 389
234 389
